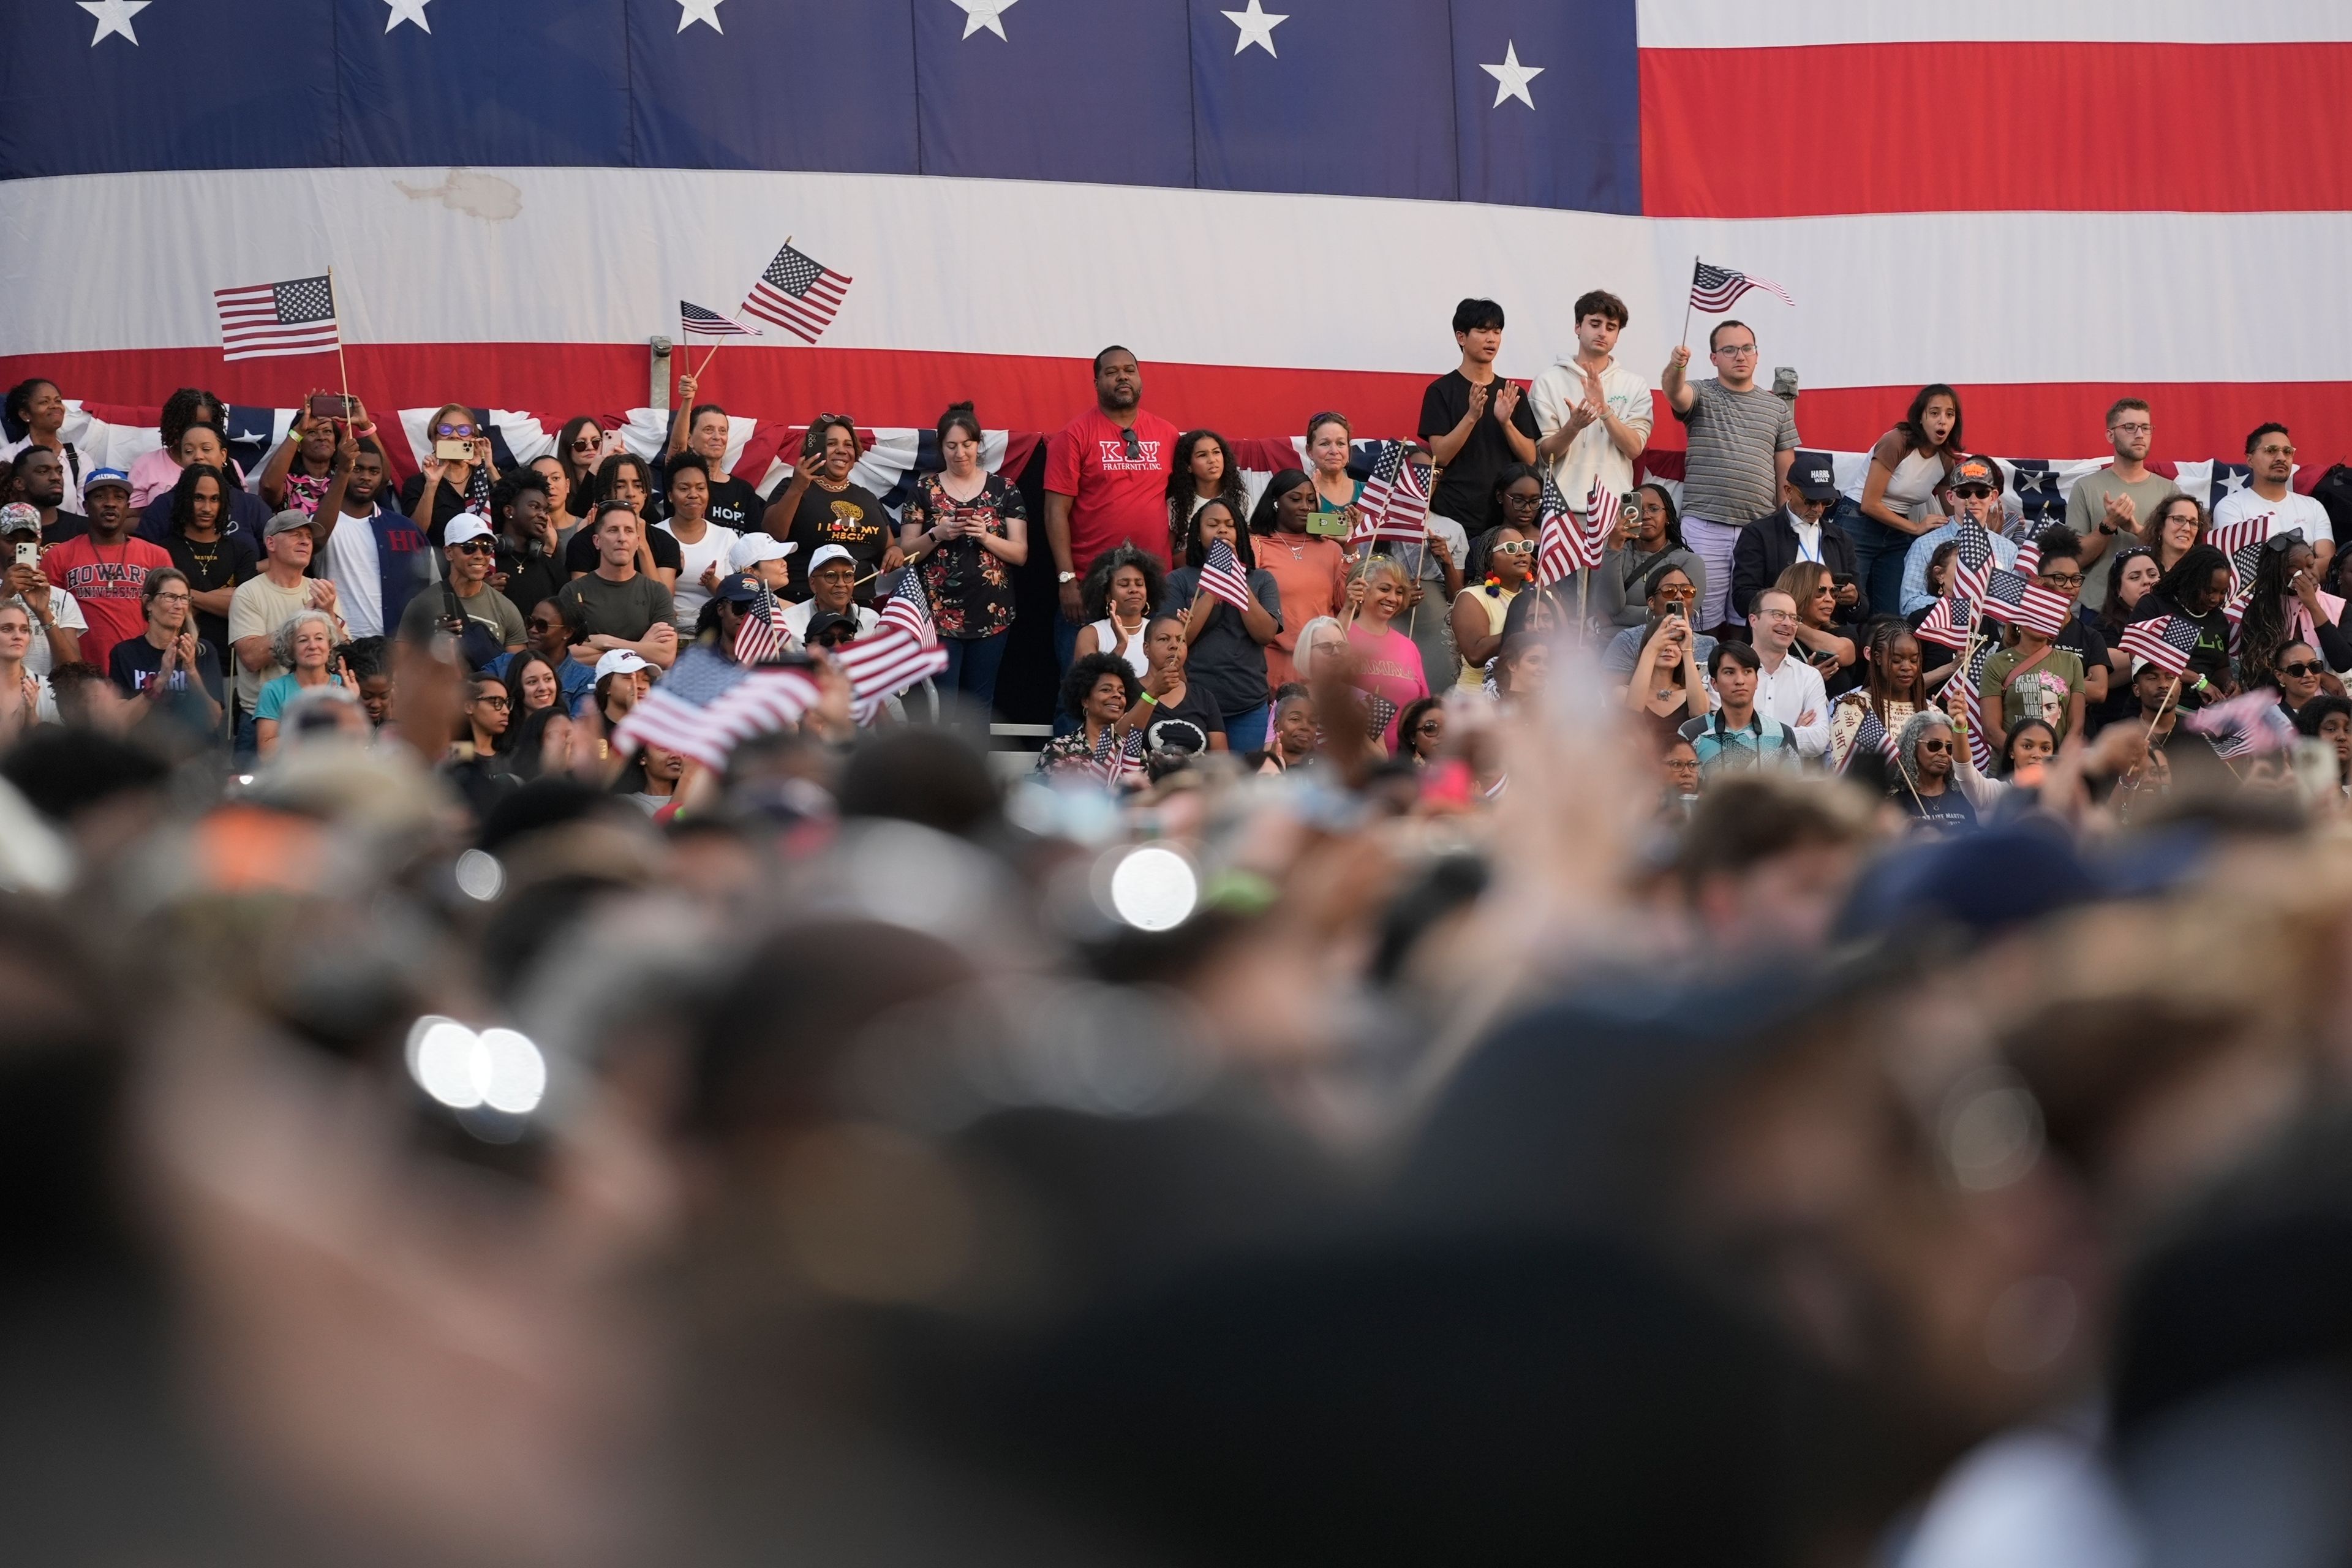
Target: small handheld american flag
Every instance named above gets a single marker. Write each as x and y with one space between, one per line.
798 293
1964 698
761 635
1395 502
1560 543
2241 542
698 322
2019 602
706 705
1222 576
1716 290
884 663
2251 725
1972 561
2165 641
1871 736
1951 622
271 320
908 608
1113 760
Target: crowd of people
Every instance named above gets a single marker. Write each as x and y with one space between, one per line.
1435 1057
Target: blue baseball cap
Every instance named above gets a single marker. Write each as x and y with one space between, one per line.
98 477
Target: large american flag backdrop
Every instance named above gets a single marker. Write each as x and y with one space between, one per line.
2046 203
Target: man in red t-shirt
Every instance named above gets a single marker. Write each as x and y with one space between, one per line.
1105 482
105 568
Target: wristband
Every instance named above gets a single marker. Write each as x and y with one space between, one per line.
1148 699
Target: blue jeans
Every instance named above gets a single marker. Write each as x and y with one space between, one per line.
1878 553
1065 654
972 664
1246 732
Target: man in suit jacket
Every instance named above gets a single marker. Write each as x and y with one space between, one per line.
1802 530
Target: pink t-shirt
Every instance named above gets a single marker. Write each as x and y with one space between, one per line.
1391 669
151 475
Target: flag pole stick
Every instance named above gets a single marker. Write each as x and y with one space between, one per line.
340 366
1690 300
2171 692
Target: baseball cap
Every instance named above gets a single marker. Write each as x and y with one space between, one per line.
98 477
1814 477
823 623
620 661
287 521
1977 471
741 588
465 527
753 548
830 553
18 517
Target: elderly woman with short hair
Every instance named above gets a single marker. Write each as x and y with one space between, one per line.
305 644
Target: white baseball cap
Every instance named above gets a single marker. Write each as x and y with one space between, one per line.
464 526
620 661
827 553
753 548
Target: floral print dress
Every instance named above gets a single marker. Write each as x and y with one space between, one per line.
969 585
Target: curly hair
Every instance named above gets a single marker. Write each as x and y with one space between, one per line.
1079 683
281 641
1094 595
1230 489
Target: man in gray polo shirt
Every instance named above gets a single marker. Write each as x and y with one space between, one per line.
1741 440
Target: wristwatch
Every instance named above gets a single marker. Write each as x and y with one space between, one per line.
1065 577
2106 527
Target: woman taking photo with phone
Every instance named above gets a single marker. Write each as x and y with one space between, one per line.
1667 687
455 477
1309 570
966 529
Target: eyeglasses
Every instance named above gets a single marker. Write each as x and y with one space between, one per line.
491 702
171 598
1683 764
2274 451
1733 350
1516 547
2139 428
2062 579
1777 615
452 429
2304 669
1938 747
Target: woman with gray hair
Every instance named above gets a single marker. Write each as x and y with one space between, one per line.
305 644
1942 789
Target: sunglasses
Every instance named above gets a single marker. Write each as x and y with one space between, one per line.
2304 669
1521 547
475 547
1984 492
1134 447
1938 747
1429 727
586 444
1684 592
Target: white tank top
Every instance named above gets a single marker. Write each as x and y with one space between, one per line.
1911 489
1107 641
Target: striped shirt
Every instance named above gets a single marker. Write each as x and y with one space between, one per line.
1728 476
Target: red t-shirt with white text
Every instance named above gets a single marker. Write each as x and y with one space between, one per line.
105 580
1116 499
